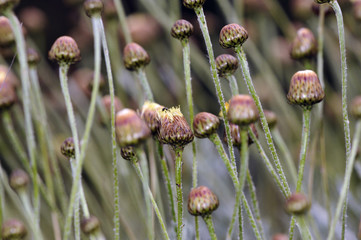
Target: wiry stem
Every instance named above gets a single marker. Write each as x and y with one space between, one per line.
178 182
208 220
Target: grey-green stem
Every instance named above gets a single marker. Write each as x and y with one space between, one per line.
208 220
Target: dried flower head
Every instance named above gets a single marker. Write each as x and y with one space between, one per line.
205 124
356 107
33 57
7 37
182 29
93 8
128 153
65 51
149 114
297 204
135 57
242 110
271 118
202 201
13 229
19 179
305 89
174 129
90 225
193 4
67 148
8 4
131 130
304 46
226 65
232 35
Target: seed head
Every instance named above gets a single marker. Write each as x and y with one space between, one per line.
242 110
236 135
131 130
271 118
7 37
128 153
297 204
33 57
19 179
7 4
174 129
68 148
64 51
356 107
193 4
13 229
322 1
232 35
150 115
182 29
226 65
305 89
93 8
135 57
90 225
205 124
202 201
304 46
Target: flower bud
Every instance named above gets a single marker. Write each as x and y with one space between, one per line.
182 29
271 118
106 100
68 148
226 65
232 35
128 153
322 1
297 204
13 229
135 57
205 124
131 130
19 179
242 110
84 77
90 225
356 107
7 37
236 135
280 236
33 57
110 11
193 4
7 95
149 114
143 28
64 51
356 9
304 46
93 8
7 4
34 19
174 129
202 201
305 89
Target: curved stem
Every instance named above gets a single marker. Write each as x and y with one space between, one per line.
233 84
178 182
208 220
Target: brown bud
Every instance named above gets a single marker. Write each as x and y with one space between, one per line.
297 204
110 11
174 129
232 35
202 201
193 4
34 19
150 115
7 95
13 229
356 107
135 57
143 28
8 77
205 124
19 179
304 46
93 8
7 4
106 100
322 1
33 57
271 118
182 29
64 51
305 89
68 148
316 9
356 9
242 110
128 153
236 135
90 225
7 37
131 130
226 65
84 77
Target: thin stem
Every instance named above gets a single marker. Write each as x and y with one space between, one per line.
346 124
208 220
178 182
251 218
233 84
291 230
155 206
25 81
247 77
122 19
145 85
346 182
203 25
113 138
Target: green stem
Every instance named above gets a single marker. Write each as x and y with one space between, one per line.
178 182
346 124
145 85
233 84
251 218
291 231
208 220
123 21
304 144
203 25
112 123
346 182
247 76
155 206
25 81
